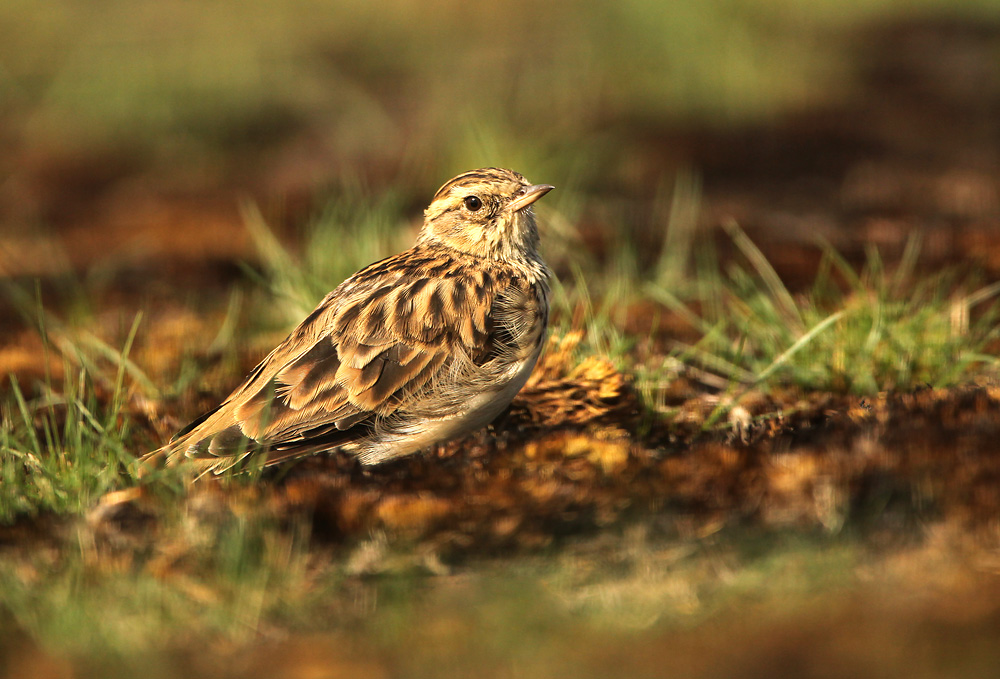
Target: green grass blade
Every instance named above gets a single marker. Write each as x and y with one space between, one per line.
764 269
799 344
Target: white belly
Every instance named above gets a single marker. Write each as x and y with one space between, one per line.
425 432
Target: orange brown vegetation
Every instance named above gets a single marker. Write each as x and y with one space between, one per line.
569 458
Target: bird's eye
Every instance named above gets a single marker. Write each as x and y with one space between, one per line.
472 203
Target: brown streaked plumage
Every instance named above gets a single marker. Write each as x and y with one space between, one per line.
413 350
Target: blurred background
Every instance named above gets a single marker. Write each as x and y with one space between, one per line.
173 158
130 132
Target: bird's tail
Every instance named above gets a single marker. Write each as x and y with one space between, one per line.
175 453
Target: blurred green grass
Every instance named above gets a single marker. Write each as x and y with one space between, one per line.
424 88
877 331
230 574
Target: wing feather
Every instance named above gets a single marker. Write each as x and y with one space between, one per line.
371 345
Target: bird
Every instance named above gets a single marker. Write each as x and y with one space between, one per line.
417 349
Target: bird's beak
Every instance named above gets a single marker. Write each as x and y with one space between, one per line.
530 195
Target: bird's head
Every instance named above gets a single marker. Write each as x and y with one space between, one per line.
486 213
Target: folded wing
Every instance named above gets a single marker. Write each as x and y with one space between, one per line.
367 351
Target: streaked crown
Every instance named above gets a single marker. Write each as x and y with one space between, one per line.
486 213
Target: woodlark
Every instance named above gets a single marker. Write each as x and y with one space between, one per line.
413 350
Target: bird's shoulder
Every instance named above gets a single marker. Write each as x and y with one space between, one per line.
426 295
